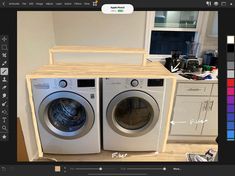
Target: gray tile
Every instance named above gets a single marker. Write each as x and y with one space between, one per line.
230 65
230 74
230 57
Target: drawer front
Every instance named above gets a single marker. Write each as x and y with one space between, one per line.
194 89
214 91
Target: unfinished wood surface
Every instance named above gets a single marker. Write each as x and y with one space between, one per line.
97 70
171 96
95 49
173 152
37 136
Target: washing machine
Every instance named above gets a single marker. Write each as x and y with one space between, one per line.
132 113
67 114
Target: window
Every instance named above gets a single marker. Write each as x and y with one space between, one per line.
176 19
170 30
169 40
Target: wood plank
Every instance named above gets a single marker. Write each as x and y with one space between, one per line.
151 70
37 138
94 49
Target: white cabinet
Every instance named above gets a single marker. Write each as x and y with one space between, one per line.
210 128
195 112
187 112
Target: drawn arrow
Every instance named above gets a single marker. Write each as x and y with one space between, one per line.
180 122
175 68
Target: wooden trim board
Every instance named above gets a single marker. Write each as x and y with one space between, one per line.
95 49
37 136
170 109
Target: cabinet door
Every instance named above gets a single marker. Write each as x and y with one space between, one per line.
210 128
188 111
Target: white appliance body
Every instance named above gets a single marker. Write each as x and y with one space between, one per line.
132 113
67 114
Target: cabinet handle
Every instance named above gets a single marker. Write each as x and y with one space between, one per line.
205 105
210 105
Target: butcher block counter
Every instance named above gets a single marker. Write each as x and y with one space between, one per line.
98 70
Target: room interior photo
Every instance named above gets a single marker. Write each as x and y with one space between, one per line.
141 87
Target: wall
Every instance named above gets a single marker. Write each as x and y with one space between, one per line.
209 33
35 35
98 29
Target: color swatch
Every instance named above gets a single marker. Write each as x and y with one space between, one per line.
230 88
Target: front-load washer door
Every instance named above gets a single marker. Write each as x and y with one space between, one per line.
66 115
132 113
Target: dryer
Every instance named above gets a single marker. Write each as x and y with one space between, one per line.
67 114
132 113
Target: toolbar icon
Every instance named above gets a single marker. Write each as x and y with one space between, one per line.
4 79
4 38
4 55
4 95
3 3
4 137
4 119
4 71
94 4
208 3
4 104
216 3
4 127
4 112
4 47
223 3
4 87
4 63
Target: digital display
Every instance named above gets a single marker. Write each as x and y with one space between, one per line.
86 83
155 82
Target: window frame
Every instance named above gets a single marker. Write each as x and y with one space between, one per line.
150 27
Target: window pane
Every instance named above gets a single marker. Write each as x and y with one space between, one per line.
176 19
163 42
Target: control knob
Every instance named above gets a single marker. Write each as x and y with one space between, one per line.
134 83
63 83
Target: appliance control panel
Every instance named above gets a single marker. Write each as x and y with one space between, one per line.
134 83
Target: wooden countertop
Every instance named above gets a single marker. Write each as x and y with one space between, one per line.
98 70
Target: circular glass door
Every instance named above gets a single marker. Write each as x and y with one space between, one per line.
66 115
132 113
